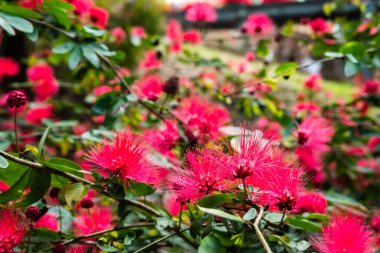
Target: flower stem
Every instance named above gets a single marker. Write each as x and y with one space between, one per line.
180 217
15 129
282 218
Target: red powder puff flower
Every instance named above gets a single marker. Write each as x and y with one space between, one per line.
138 31
311 202
192 36
45 84
174 35
312 137
258 24
201 12
277 186
125 157
48 221
375 222
205 171
3 186
14 227
344 234
319 26
271 129
8 67
250 56
30 4
254 153
164 139
201 118
91 221
81 6
150 61
36 114
313 82
99 17
118 34
374 143
150 87
371 87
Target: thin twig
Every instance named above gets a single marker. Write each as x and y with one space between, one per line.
52 27
160 240
258 231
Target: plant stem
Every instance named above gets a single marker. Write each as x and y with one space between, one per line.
282 218
258 232
159 240
180 217
15 129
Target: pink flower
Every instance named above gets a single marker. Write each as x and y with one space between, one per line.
192 36
307 107
312 137
93 220
374 143
118 34
99 17
250 56
125 157
100 90
201 118
45 84
164 139
8 67
254 154
205 171
258 24
201 12
30 4
247 2
36 114
81 6
319 26
138 31
344 234
174 34
150 61
3 186
14 227
271 129
48 221
371 87
311 202
150 87
313 82
278 186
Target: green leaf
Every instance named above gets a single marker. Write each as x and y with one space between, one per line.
73 192
39 183
4 24
17 189
211 244
108 248
20 11
64 165
60 11
286 69
197 225
222 214
106 102
12 174
94 31
102 49
303 245
351 68
129 238
262 49
217 200
3 163
334 54
138 188
274 217
64 48
337 198
250 215
33 37
75 57
90 55
18 23
354 48
304 224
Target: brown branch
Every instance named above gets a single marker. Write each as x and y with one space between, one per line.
258 232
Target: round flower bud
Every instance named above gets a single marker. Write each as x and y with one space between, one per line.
58 248
171 85
16 99
33 213
86 203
